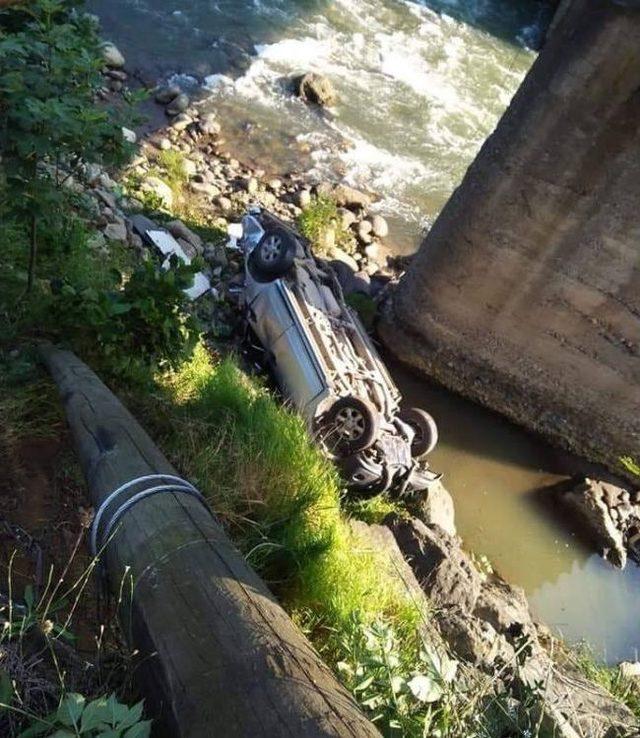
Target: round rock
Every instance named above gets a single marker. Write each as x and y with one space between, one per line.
112 56
380 226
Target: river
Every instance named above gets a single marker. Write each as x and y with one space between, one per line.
421 85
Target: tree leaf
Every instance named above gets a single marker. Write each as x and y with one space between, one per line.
139 730
71 709
424 689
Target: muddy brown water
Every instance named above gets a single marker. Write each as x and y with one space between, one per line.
497 474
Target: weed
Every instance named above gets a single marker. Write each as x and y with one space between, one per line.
320 222
374 509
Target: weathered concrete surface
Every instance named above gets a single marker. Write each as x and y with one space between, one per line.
526 293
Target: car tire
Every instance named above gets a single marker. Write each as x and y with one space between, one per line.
350 425
274 254
425 429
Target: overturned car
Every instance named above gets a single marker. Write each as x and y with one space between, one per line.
326 365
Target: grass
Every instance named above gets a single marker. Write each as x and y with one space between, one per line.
318 219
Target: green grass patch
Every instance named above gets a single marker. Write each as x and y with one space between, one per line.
320 217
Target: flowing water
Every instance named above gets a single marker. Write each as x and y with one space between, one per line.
421 85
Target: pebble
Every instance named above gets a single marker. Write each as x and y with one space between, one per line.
164 144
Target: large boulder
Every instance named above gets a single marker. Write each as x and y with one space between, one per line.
179 230
504 607
593 503
349 197
474 641
443 569
316 88
435 507
112 56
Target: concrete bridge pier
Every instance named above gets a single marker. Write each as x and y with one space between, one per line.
525 294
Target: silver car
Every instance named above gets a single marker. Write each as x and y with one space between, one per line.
326 365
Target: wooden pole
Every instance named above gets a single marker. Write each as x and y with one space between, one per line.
221 658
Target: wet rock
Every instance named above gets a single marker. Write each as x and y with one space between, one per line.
178 105
349 197
112 56
316 88
155 186
164 95
447 574
180 231
590 501
379 226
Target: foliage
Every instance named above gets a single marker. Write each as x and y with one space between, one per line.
50 61
143 323
624 689
373 510
631 465
321 217
400 694
104 717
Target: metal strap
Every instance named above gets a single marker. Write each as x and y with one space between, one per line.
178 485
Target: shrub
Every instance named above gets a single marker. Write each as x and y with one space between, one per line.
320 217
50 62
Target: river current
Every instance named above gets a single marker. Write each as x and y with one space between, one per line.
421 85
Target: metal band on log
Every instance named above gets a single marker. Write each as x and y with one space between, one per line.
220 656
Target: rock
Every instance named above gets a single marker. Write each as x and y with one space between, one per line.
435 507
630 669
209 125
372 251
178 105
303 199
380 226
189 167
588 500
205 188
505 608
316 88
275 185
351 281
251 185
216 255
117 74
129 135
157 187
364 227
224 203
108 198
112 56
474 641
164 144
349 197
97 241
347 218
92 173
115 85
180 231
165 95
115 232
181 122
445 571
339 255
189 249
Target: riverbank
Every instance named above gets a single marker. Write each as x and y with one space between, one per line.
105 296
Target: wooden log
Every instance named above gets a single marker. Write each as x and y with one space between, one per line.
220 656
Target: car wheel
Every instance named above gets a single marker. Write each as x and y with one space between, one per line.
350 425
274 254
425 429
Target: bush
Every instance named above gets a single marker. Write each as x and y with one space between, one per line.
321 217
50 62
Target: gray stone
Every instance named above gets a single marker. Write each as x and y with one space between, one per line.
436 508
380 226
349 197
181 122
115 232
164 95
224 203
216 255
347 218
504 607
112 56
588 500
129 135
164 144
303 199
473 640
340 255
180 231
178 105
205 188
208 124
445 571
372 251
